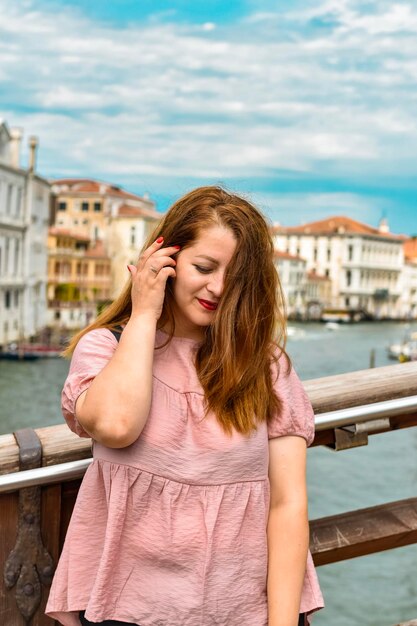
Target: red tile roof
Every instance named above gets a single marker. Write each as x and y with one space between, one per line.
55 230
338 224
87 185
127 210
280 254
317 277
97 250
410 248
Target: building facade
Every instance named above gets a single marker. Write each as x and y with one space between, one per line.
24 215
364 264
98 210
79 278
292 273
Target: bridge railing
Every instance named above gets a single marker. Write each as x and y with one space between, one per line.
41 470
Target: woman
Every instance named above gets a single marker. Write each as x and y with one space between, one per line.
194 510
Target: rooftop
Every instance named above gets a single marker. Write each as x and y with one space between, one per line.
281 254
65 232
410 249
336 225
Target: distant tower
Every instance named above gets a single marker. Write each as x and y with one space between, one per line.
383 225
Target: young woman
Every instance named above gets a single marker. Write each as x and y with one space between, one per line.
194 510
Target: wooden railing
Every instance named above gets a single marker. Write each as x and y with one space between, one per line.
349 408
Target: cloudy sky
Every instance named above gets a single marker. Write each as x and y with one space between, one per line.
310 108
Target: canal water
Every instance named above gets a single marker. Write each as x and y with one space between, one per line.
376 590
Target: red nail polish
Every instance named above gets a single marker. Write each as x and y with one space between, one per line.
128 267
177 247
159 240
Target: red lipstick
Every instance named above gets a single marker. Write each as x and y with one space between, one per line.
209 306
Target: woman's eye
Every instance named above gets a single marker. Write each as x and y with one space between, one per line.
202 270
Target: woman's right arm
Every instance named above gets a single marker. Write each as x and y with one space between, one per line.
115 407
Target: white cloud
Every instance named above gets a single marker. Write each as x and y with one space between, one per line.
292 209
244 100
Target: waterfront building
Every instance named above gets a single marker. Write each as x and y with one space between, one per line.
409 288
364 264
99 210
79 278
292 274
24 216
318 295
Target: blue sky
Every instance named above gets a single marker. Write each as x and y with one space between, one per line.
309 108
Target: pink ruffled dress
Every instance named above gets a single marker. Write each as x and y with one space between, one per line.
171 531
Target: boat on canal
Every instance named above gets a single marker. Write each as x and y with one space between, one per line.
29 352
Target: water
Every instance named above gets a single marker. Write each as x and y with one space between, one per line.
376 590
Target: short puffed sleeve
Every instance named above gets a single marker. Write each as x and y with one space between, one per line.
91 354
296 416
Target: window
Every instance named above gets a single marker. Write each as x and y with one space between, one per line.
97 206
6 256
16 257
315 254
16 299
62 206
84 206
348 278
7 299
350 252
9 198
19 201
329 254
132 235
347 301
327 273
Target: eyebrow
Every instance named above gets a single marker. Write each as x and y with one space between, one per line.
209 258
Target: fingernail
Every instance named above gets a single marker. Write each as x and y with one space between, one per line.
177 247
128 268
159 240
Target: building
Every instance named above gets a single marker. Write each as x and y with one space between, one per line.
318 295
79 278
24 215
364 264
98 210
292 274
409 283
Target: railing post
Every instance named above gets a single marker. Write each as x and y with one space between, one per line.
29 564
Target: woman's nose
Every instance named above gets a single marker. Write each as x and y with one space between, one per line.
215 284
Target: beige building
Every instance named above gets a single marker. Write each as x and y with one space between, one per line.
98 210
79 278
24 211
409 282
364 264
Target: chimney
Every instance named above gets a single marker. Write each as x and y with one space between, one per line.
33 149
15 143
383 226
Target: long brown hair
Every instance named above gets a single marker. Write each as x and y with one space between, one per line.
248 332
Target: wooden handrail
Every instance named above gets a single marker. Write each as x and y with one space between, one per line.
365 531
331 393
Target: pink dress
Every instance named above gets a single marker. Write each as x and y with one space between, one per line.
171 531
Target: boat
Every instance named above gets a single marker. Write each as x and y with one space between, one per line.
332 325
345 316
405 350
29 352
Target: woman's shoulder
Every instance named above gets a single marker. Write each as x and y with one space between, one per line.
95 342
